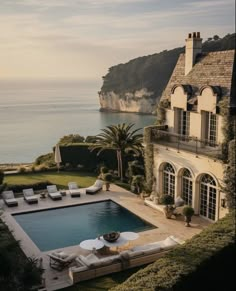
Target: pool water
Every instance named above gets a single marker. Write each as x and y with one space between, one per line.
67 226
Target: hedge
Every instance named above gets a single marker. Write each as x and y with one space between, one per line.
79 154
206 258
36 186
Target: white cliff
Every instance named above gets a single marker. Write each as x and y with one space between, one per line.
141 101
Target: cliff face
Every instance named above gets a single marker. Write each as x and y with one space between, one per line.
141 101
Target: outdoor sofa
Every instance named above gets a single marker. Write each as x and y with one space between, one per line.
92 266
73 189
9 198
53 193
29 196
96 187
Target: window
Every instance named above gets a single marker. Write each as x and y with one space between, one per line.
182 122
169 180
208 197
187 187
209 128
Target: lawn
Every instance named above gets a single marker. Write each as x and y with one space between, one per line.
60 179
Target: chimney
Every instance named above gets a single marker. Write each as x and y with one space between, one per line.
192 48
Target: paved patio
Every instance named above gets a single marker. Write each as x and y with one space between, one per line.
55 280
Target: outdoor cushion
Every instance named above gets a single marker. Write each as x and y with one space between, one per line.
89 259
168 243
72 186
179 201
125 254
8 194
28 192
135 253
152 251
52 189
98 183
12 200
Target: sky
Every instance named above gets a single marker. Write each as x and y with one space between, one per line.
81 39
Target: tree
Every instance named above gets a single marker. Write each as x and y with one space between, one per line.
121 138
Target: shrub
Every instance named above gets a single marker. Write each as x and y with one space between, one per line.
91 139
167 200
103 170
71 138
188 211
107 177
207 256
47 159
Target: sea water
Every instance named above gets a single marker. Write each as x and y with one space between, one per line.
34 115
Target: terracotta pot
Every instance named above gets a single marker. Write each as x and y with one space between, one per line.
107 186
187 220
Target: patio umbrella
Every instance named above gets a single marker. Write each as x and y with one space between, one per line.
57 156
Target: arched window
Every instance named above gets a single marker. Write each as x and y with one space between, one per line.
187 187
208 196
169 180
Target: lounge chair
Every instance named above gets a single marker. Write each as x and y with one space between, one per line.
29 196
53 193
73 189
60 260
96 187
9 198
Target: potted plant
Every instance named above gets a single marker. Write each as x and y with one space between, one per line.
168 201
188 212
107 177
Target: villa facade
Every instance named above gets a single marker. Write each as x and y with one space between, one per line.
186 153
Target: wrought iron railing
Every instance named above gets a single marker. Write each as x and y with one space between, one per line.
187 143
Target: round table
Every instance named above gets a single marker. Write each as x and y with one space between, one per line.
129 235
91 244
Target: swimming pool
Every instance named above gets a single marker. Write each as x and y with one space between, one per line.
67 226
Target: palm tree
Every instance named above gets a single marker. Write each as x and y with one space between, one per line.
121 138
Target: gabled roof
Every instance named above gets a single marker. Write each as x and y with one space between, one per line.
215 69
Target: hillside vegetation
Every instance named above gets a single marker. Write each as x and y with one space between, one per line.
153 71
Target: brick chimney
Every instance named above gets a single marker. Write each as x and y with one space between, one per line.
192 48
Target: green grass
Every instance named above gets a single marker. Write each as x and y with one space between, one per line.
60 179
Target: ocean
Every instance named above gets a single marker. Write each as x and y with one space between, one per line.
34 115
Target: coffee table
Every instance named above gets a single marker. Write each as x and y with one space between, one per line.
91 244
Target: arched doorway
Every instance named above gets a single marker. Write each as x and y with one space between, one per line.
208 191
169 180
187 187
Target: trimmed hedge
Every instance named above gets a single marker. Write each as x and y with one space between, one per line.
79 154
36 186
207 258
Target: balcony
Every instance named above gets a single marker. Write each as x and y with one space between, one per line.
186 143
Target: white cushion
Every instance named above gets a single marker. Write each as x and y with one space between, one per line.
98 183
179 201
56 194
89 259
52 188
12 200
72 185
135 253
152 251
28 192
8 194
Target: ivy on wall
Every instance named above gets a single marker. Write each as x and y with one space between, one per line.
148 158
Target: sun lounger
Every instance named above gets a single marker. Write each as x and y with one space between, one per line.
9 198
29 196
73 189
96 187
53 193
60 260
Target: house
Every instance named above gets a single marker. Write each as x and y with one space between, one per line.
187 153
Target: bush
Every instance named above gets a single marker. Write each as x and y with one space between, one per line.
208 256
188 211
22 169
91 139
167 200
36 186
47 160
103 170
71 138
107 177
